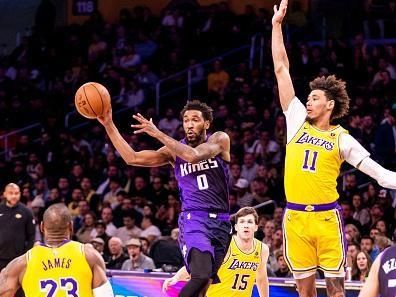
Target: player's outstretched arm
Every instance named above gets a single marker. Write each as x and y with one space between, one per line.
356 155
100 284
11 276
181 275
218 143
371 285
261 275
279 56
148 158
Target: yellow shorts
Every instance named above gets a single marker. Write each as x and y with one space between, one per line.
314 240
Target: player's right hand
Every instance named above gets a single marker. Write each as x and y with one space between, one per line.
106 118
168 283
280 13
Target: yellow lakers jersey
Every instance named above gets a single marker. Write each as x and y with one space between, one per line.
238 272
312 165
57 272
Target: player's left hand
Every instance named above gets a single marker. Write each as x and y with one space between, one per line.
168 283
145 126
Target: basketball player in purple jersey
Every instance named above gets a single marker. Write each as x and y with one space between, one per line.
382 277
201 169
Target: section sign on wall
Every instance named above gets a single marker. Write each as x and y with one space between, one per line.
84 7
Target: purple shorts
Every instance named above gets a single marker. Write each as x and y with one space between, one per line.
207 232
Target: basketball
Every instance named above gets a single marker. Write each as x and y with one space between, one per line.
92 99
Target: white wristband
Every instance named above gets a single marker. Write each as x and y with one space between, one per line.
104 290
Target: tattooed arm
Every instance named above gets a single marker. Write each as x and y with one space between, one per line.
335 287
11 276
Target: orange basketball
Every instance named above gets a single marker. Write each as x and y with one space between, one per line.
92 99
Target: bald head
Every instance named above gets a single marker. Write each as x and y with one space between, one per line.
11 186
12 194
57 219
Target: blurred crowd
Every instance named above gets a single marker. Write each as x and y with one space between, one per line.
130 214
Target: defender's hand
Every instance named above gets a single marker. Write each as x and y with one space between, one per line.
279 14
168 283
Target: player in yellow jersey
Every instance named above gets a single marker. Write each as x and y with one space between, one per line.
313 230
58 267
244 264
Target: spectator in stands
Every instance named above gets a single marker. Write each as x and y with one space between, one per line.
117 255
269 230
361 267
367 245
250 143
382 227
135 96
353 250
350 186
385 140
218 79
137 260
360 213
149 230
233 202
146 78
76 197
169 124
283 269
244 198
168 214
166 253
64 189
90 195
235 174
107 219
129 230
111 172
99 245
111 196
83 209
145 245
376 213
249 167
130 59
347 214
84 234
353 232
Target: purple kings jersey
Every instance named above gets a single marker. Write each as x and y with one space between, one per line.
387 273
204 185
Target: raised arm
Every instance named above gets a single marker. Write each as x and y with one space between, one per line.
147 158
100 284
279 57
218 143
261 275
11 276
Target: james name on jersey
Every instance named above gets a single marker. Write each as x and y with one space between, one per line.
56 263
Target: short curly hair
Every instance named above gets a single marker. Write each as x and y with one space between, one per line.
334 89
207 111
